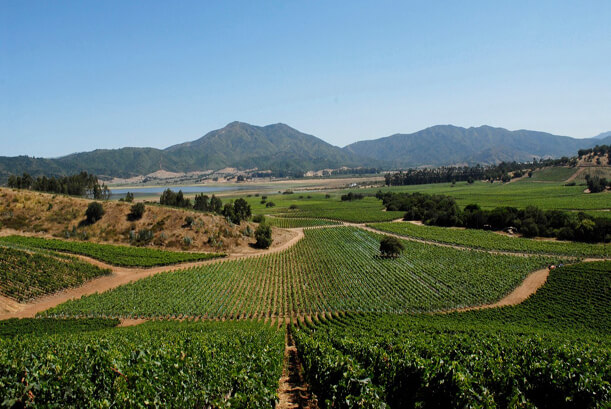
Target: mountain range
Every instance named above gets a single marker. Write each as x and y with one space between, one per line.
279 147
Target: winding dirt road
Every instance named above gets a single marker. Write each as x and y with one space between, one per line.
12 309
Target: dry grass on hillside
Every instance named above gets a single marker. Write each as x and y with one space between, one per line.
63 216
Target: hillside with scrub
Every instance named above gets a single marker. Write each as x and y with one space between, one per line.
162 227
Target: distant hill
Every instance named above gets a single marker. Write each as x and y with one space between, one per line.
449 145
286 150
603 135
240 145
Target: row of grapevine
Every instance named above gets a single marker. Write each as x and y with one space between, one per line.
348 275
161 365
289 223
491 241
111 254
553 351
26 275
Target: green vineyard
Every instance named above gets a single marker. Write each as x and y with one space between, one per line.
488 240
553 351
169 365
27 275
291 223
111 254
348 275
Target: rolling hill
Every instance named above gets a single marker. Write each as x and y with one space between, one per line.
280 148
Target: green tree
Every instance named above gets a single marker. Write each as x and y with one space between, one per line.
263 234
136 212
242 210
390 246
94 212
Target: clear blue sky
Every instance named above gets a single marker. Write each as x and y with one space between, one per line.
78 75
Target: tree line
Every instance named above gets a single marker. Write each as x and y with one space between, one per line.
600 150
447 174
80 184
234 211
442 210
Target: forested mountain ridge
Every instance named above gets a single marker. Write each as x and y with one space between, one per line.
283 149
447 145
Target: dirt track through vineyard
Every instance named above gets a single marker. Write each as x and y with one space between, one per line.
12 309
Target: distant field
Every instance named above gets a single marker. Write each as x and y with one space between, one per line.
318 206
111 254
492 241
554 174
25 275
530 353
288 223
334 269
519 194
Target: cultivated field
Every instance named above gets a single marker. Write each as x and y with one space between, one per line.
459 318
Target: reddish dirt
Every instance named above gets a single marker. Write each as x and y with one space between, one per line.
293 390
283 239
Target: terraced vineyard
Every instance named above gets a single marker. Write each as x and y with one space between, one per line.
553 351
491 241
169 364
290 223
348 275
111 254
26 275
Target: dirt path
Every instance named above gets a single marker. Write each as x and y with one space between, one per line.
529 286
293 390
121 275
575 175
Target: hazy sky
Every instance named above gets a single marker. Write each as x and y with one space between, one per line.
79 75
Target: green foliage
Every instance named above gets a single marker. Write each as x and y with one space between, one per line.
94 212
263 235
488 240
136 212
169 365
171 198
46 326
391 246
259 218
116 255
333 269
25 275
552 351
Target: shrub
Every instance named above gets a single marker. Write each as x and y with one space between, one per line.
293 207
136 212
270 204
259 218
263 234
390 246
94 212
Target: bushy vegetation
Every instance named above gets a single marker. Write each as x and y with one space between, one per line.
332 269
550 352
489 240
391 246
26 275
597 184
94 212
111 254
161 364
350 196
136 212
441 210
446 174
263 235
80 184
171 198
